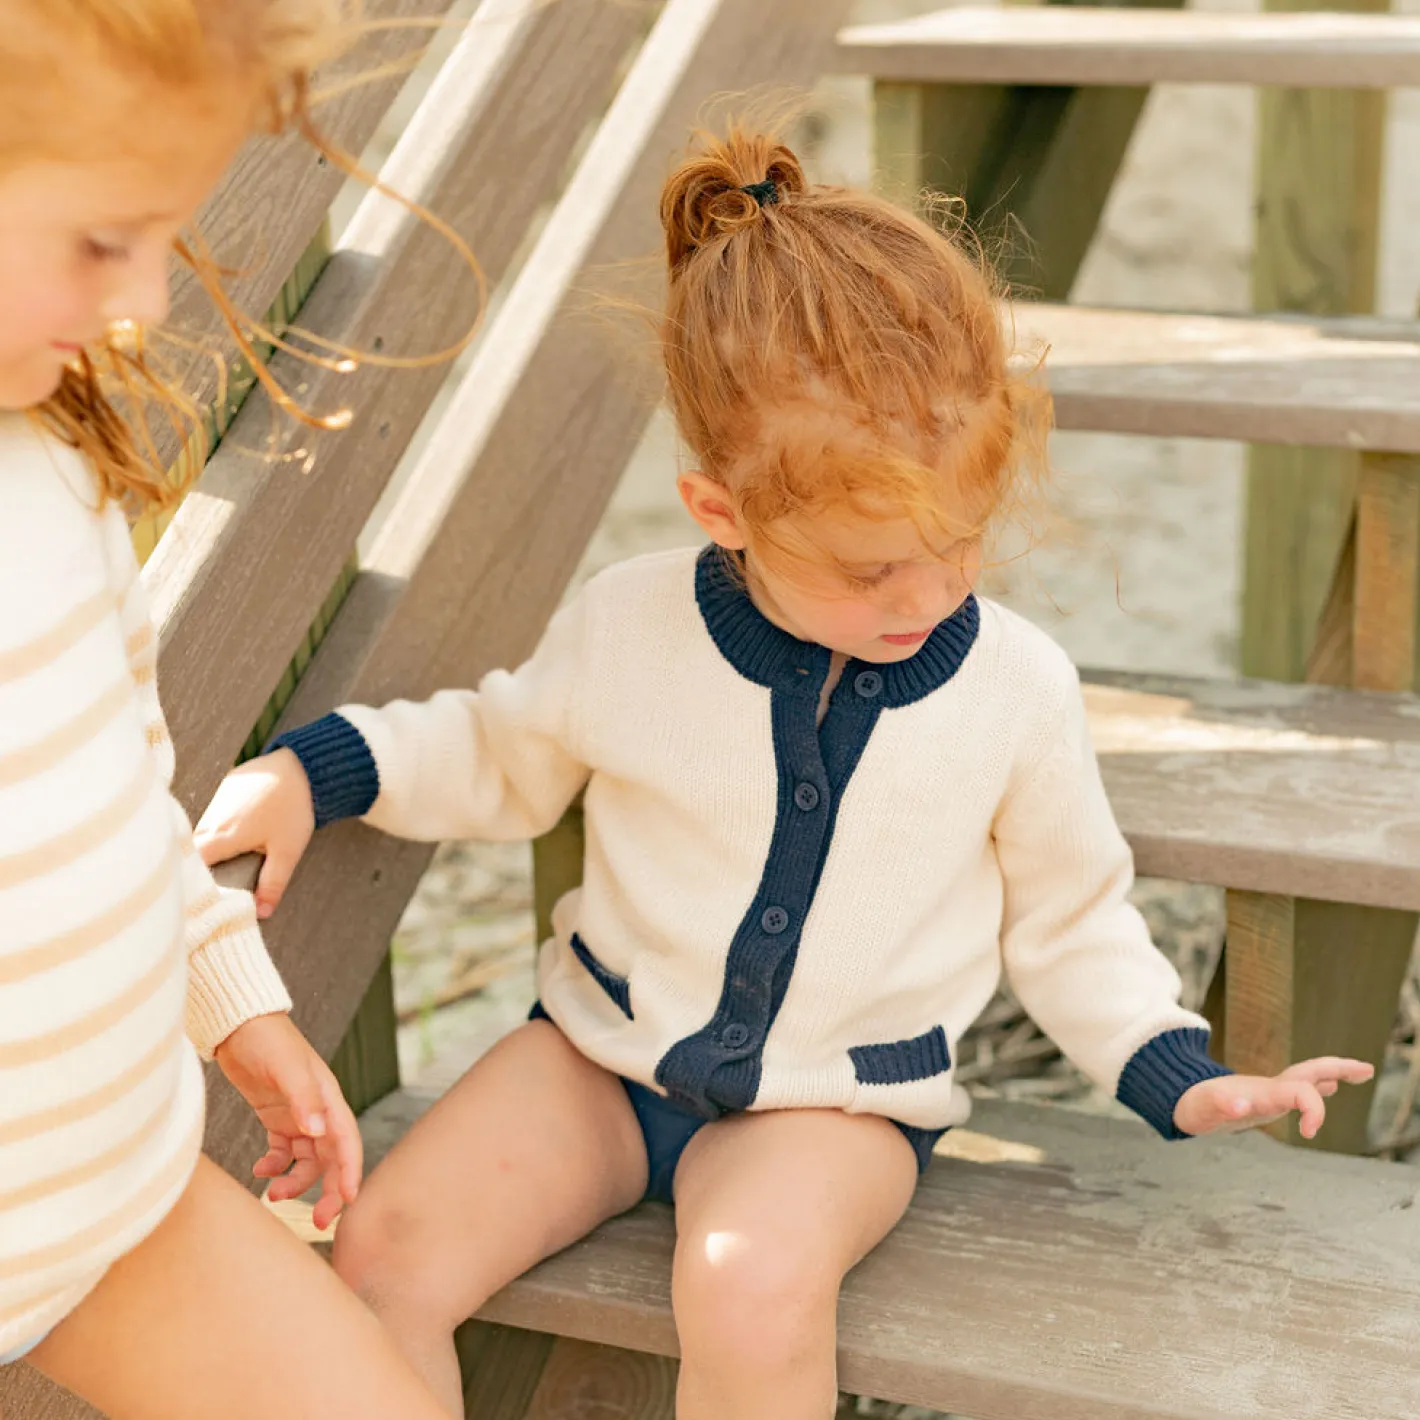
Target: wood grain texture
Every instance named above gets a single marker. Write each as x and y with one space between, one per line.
1044 45
1386 561
1069 1267
496 514
273 199
1308 978
1282 380
222 570
502 1368
1304 790
1034 167
603 1383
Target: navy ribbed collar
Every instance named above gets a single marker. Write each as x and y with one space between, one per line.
770 656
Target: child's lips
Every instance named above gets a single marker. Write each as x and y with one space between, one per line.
910 638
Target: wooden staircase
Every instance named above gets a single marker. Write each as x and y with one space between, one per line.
1277 794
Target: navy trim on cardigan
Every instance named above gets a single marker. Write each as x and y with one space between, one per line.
345 781
899 1061
617 987
769 656
1162 1071
718 1068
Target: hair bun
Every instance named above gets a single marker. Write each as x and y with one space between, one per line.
706 197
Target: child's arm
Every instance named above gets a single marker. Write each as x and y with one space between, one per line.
237 1004
1080 958
502 762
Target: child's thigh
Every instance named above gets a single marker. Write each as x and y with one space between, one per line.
773 1209
223 1313
528 1152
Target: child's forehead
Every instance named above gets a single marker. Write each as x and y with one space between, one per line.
154 172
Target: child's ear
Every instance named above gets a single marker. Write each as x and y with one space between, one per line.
712 506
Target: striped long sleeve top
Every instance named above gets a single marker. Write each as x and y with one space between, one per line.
121 961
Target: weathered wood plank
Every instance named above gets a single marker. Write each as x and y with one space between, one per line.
1063 1266
1282 380
485 151
1020 44
277 193
477 550
367 1060
1303 790
502 1368
1386 560
1314 973
1033 167
1112 1277
1317 978
584 1379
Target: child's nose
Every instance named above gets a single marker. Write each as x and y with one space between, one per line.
141 294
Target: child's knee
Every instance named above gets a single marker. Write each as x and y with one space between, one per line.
764 1304
389 1255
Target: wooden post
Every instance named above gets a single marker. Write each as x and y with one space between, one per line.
1329 596
1034 165
366 1062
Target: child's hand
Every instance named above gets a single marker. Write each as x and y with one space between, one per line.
1235 1102
310 1129
263 807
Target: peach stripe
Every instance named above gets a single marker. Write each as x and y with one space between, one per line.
90 1169
56 746
15 1053
69 846
20 661
45 956
72 1111
92 1239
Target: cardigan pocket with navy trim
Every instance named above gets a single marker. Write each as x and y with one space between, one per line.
900 1061
617 987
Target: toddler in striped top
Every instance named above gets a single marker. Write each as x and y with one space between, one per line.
132 1270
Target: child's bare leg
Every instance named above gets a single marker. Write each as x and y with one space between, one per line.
223 1313
527 1153
771 1211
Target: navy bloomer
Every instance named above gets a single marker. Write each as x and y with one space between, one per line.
667 1127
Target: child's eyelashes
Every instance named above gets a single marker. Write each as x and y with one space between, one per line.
99 249
872 577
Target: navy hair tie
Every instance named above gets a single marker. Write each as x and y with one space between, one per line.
765 193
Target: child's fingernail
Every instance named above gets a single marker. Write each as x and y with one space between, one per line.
1239 1107
315 1125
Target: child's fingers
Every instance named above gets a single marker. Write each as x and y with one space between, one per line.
276 870
306 1174
331 1201
1330 1067
343 1142
1308 1100
276 1160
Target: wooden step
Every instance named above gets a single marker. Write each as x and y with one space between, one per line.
1062 44
1304 791
1347 383
1056 1264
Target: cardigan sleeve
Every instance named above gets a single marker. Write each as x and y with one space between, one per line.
500 762
1076 951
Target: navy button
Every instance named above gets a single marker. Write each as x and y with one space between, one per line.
735 1035
868 684
806 796
774 921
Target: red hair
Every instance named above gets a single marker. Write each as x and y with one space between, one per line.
825 348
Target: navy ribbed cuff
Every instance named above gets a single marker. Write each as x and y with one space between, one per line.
1162 1071
344 779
